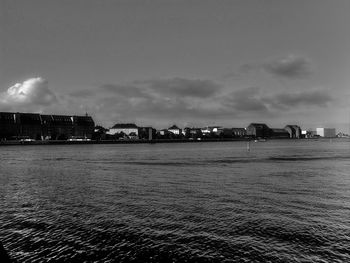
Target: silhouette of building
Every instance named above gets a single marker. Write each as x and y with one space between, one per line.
83 126
146 133
44 127
193 132
9 127
57 127
279 133
30 125
258 130
239 132
294 131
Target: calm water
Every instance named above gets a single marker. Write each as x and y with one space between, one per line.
284 201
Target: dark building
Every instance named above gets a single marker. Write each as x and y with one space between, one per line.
147 133
233 132
239 132
279 133
258 130
83 126
40 127
30 125
194 133
9 127
227 133
294 131
57 127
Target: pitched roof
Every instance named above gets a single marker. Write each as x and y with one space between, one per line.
259 125
278 130
124 126
174 127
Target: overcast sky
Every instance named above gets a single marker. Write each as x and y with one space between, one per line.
193 63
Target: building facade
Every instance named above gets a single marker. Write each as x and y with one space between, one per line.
294 131
258 130
44 127
325 132
129 129
9 127
210 130
279 133
146 133
239 132
175 130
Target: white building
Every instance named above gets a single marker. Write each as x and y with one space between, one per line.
128 129
325 132
212 129
175 130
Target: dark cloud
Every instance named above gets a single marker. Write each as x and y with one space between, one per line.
289 67
309 98
129 90
248 99
160 101
195 88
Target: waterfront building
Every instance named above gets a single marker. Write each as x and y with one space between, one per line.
258 130
57 127
294 131
40 127
83 126
163 134
9 127
129 129
175 130
239 132
216 130
325 132
311 134
192 132
30 126
146 133
227 133
279 133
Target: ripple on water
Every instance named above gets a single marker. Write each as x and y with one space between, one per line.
194 203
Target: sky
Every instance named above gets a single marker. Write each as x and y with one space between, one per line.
185 62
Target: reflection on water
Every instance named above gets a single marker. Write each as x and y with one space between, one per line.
197 202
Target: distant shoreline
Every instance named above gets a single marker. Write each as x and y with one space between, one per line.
63 142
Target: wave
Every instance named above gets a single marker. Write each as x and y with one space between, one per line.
307 158
234 160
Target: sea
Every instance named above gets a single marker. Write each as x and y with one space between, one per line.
273 201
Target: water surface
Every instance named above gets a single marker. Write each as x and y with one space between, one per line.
283 201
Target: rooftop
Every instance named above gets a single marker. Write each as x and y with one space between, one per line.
124 126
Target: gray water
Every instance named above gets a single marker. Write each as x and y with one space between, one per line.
283 201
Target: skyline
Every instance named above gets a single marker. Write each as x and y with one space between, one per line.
186 62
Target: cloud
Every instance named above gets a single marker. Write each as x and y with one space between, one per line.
160 102
129 90
308 98
194 88
30 93
160 99
291 67
248 100
85 93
